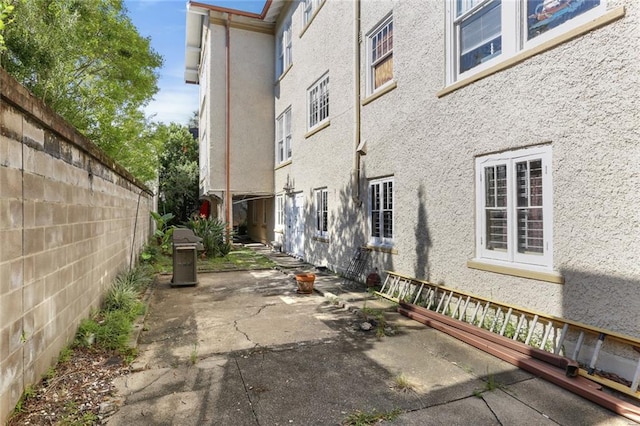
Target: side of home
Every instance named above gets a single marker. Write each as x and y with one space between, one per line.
488 146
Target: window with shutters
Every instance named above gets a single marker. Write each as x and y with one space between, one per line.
514 210
380 57
381 212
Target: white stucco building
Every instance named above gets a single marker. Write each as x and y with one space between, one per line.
489 146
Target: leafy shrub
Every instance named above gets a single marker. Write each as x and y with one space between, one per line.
212 232
164 232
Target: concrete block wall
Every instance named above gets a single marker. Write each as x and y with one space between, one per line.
67 220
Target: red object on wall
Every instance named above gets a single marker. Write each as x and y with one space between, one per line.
204 209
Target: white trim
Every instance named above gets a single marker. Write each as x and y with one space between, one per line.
283 136
381 240
284 58
513 33
384 23
511 255
309 8
318 113
321 196
279 206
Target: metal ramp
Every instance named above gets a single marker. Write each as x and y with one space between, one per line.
357 264
576 341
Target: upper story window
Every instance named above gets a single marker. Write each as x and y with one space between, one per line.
381 212
322 212
380 58
284 49
318 101
283 136
514 207
481 33
309 8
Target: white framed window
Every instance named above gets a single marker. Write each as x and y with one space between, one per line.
318 102
283 49
279 212
381 212
481 33
309 8
283 136
322 212
380 54
514 210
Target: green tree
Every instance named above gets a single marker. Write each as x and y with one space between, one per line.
179 191
87 61
6 11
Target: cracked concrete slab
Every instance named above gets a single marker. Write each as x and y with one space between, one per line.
243 348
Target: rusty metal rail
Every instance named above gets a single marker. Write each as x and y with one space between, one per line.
572 340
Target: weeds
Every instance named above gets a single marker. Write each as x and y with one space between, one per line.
490 385
65 354
110 328
402 383
362 418
29 392
194 354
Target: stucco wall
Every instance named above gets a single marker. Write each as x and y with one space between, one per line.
251 113
67 219
580 97
324 159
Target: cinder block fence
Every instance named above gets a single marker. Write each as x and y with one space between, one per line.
67 220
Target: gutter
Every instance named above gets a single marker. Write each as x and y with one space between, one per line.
231 11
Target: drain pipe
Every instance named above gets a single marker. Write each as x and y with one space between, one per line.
227 201
356 105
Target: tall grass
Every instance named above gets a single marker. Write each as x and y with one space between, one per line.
110 328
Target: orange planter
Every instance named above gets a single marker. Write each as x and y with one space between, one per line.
305 283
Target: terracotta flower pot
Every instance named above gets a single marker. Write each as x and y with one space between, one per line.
305 283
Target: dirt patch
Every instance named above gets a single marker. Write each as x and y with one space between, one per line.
79 391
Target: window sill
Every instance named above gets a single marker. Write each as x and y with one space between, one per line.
382 249
533 273
603 20
383 91
283 74
315 12
278 231
320 239
281 165
316 129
